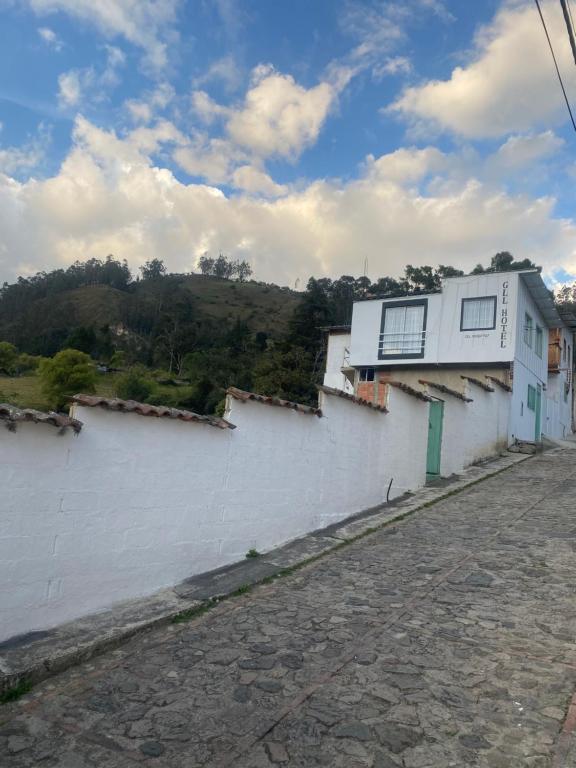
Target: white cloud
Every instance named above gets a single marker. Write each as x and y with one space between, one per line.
24 159
206 108
509 84
212 159
279 116
144 23
394 65
145 109
108 197
225 70
520 151
407 165
69 88
254 180
76 85
50 38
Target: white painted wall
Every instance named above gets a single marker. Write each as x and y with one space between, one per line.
490 346
366 324
445 342
529 369
559 398
337 355
133 504
473 431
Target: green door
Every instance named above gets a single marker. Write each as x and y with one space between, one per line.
538 409
435 416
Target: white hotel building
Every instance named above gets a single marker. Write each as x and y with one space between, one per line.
492 329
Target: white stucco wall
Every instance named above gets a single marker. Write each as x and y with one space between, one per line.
473 431
558 423
337 355
133 504
445 342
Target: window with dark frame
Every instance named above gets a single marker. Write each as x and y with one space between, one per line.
403 329
478 314
528 328
539 345
366 374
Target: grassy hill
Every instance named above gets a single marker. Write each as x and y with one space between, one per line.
40 326
205 328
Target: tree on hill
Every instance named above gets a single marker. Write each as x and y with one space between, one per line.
153 269
8 358
67 373
224 268
135 385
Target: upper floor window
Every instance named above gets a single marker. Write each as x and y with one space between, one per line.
564 350
531 397
366 374
403 329
478 314
528 329
539 345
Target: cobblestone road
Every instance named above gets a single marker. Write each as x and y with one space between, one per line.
447 639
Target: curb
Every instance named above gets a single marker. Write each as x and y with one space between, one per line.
30 659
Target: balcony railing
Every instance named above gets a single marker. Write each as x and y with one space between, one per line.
402 343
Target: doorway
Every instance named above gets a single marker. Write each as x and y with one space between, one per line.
433 457
538 414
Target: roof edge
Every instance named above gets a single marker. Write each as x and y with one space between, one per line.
144 409
352 398
243 396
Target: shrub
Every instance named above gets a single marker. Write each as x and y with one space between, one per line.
67 373
134 385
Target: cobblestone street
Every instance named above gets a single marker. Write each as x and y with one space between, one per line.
446 639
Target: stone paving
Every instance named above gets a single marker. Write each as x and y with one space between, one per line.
446 639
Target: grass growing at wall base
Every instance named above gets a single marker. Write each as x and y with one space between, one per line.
13 694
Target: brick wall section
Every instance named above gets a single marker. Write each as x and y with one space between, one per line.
366 391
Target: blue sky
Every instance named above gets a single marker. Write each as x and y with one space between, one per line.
303 136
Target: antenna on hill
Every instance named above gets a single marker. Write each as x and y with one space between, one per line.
365 265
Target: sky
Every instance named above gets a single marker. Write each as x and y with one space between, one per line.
309 137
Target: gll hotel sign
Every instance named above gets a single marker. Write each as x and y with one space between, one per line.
504 315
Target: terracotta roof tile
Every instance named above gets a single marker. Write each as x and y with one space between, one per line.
240 394
352 398
446 390
11 415
417 393
144 409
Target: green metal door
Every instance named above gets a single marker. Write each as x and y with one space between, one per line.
435 417
538 429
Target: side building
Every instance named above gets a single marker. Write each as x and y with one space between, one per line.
487 330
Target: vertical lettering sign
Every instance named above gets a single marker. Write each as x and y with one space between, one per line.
504 316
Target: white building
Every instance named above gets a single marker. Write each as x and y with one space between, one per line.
478 331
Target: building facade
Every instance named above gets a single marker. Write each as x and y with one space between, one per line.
479 331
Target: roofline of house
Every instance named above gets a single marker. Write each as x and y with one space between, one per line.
531 278
336 328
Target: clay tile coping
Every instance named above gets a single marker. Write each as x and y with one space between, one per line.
446 390
352 398
478 383
240 394
499 383
143 409
11 415
418 394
